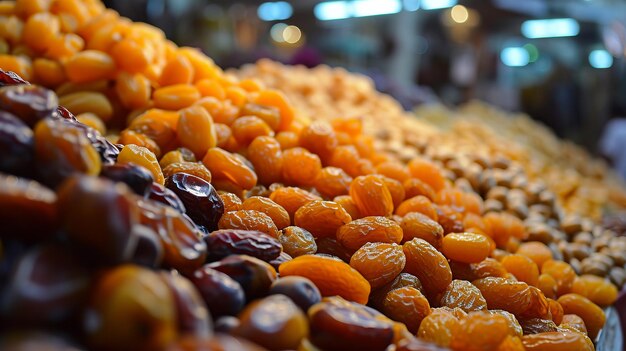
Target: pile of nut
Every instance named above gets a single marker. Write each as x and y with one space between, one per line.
170 206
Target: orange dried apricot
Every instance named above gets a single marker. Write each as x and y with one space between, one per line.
300 167
248 220
417 225
536 251
266 156
428 172
177 70
557 341
547 284
297 241
511 343
414 187
332 182
246 128
291 198
556 311
371 196
599 290
287 140
562 272
502 226
516 297
193 168
226 166
464 295
348 204
319 138
231 202
331 276
419 204
321 218
407 305
581 306
395 189
394 170
438 327
480 331
276 99
379 263
523 268
355 234
133 90
196 130
175 97
427 264
573 323
88 66
465 247
277 213
144 158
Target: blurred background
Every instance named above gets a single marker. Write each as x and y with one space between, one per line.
560 61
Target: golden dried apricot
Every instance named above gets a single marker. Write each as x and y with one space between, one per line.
407 305
332 182
227 166
427 264
231 202
419 204
480 331
297 241
321 218
348 204
196 130
547 284
464 295
355 234
291 198
414 187
371 196
144 158
300 167
248 220
262 204
573 323
516 297
438 327
599 290
581 306
523 268
427 172
266 156
394 170
379 263
319 138
193 168
557 341
536 251
417 225
246 128
465 247
331 276
562 272
556 311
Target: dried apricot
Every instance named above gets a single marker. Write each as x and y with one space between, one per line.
355 234
419 204
144 158
371 196
300 167
348 204
266 156
379 263
297 241
406 305
438 327
319 138
464 295
291 198
196 130
226 166
599 290
262 204
248 220
321 218
332 182
562 272
331 276
465 247
536 251
516 297
414 187
427 264
231 202
581 306
523 268
480 331
427 172
556 341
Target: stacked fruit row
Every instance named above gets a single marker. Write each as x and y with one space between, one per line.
219 219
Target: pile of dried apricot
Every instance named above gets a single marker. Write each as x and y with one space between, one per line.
216 219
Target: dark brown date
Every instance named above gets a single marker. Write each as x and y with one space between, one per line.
161 194
149 249
16 145
300 290
99 215
537 325
226 242
191 311
282 258
203 204
27 209
48 285
254 275
337 324
35 340
10 78
138 179
219 342
223 295
183 247
108 152
30 103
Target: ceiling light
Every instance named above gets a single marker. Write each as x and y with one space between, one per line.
550 28
332 10
600 59
515 57
437 4
274 11
459 14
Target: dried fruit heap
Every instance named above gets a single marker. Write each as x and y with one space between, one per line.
219 220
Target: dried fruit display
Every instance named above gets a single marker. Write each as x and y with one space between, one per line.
223 216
